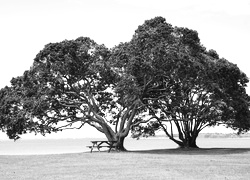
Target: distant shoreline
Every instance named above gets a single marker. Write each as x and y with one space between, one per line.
162 136
212 135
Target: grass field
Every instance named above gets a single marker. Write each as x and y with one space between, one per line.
214 163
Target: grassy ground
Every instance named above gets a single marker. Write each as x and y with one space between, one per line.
224 163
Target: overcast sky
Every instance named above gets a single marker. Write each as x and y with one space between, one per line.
27 25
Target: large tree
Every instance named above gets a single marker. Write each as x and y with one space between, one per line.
163 78
185 87
72 83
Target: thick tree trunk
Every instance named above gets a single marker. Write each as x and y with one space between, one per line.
119 137
189 143
120 143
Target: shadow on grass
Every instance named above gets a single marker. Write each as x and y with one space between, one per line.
195 151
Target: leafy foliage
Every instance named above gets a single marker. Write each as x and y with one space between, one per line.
185 87
162 79
72 83
16 112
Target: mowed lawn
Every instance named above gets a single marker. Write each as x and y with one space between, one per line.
216 163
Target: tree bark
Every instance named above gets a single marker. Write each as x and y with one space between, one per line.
119 138
112 136
189 143
120 143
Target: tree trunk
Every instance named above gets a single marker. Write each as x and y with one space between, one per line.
120 143
189 143
119 137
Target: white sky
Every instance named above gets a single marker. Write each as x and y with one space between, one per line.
27 25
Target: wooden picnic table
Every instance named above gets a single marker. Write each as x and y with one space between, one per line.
100 144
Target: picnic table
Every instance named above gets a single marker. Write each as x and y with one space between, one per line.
100 144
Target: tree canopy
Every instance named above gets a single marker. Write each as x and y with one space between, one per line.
72 83
164 78
188 88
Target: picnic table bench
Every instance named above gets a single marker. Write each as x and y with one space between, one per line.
100 144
